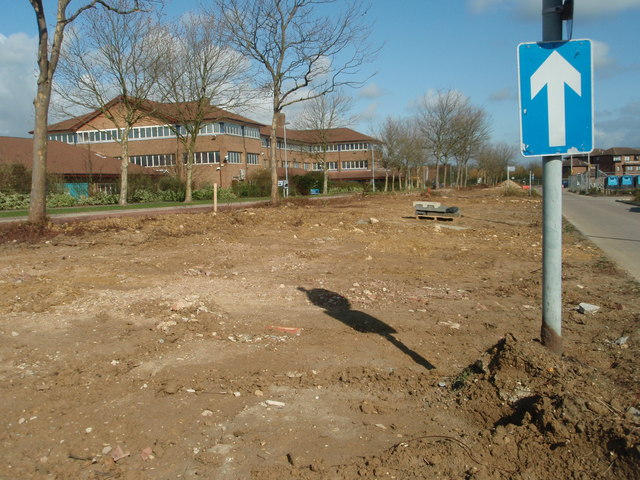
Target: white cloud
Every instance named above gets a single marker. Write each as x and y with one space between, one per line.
481 6
601 57
369 114
370 91
17 83
506 93
618 128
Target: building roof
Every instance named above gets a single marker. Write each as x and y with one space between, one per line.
63 159
615 151
170 112
334 135
621 151
575 162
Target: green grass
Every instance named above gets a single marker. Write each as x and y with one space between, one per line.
133 206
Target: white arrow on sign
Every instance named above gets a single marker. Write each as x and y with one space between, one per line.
554 72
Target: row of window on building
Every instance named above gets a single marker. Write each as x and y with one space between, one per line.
203 158
156 132
628 168
626 158
334 147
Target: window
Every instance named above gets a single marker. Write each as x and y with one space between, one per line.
265 142
156 160
232 129
355 165
306 166
234 157
330 166
252 159
251 132
206 157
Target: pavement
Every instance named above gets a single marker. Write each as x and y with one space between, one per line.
611 223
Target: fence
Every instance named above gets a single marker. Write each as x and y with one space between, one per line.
581 182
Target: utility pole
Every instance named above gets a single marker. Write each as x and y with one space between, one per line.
373 168
551 331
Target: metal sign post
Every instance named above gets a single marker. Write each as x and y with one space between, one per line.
556 118
551 330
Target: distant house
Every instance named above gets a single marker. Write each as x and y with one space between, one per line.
613 161
81 170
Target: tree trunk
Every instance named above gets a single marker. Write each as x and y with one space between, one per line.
275 194
325 180
437 182
386 181
325 173
393 181
38 205
124 169
190 147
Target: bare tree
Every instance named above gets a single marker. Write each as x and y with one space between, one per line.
299 53
320 116
111 65
493 161
200 70
471 131
411 150
390 134
436 118
48 56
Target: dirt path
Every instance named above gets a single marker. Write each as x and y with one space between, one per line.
334 340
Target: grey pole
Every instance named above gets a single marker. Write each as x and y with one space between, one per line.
551 331
286 162
373 169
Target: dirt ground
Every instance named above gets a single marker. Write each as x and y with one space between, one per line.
319 340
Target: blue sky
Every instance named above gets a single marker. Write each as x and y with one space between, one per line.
428 45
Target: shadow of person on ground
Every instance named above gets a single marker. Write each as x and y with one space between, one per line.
339 308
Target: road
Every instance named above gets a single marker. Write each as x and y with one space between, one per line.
613 226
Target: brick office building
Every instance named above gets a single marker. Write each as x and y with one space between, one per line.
229 147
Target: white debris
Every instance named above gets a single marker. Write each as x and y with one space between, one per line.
585 308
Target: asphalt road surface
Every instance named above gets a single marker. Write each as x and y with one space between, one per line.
613 226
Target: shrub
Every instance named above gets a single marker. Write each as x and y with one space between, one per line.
261 181
226 195
304 183
15 178
142 195
171 183
171 195
204 193
100 198
346 187
14 201
244 190
60 200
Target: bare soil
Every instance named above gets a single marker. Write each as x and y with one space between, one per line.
326 340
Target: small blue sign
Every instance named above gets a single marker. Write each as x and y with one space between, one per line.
556 97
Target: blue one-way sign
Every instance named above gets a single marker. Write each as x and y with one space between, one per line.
556 97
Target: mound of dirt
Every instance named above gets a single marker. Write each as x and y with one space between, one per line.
528 412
